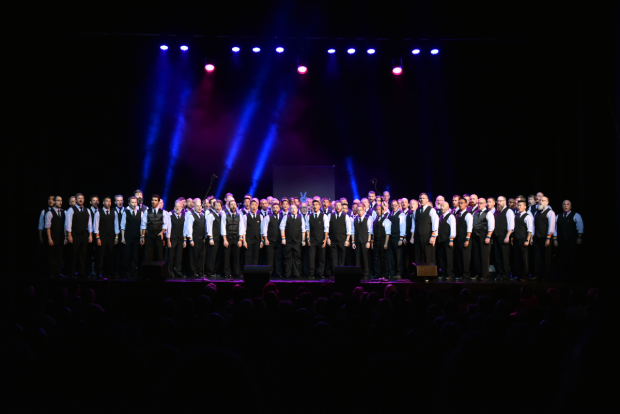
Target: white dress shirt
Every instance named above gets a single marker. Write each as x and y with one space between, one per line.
96 221
576 218
323 216
244 219
145 215
211 219
369 222
128 210
347 219
265 222
434 220
303 224
387 224
510 218
48 217
241 225
42 217
451 223
189 226
69 219
551 219
529 221
469 221
402 222
169 223
490 220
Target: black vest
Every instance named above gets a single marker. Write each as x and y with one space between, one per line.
481 225
273 228
316 227
541 223
567 228
443 230
232 227
253 227
106 224
132 224
501 223
461 226
292 231
378 229
79 223
92 216
338 227
216 226
176 226
154 222
57 227
408 224
423 223
395 219
361 229
521 228
199 226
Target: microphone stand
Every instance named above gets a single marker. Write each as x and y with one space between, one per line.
213 177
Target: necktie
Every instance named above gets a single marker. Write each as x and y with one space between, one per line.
134 213
294 217
315 215
564 215
107 213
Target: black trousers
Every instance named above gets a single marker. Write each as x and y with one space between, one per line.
339 253
481 254
275 259
213 252
445 254
408 257
231 258
361 257
328 261
131 256
424 251
79 250
379 255
303 260
175 260
569 259
55 256
119 257
521 262
153 248
395 256
252 252
105 257
316 259
292 264
350 256
92 256
197 257
462 255
542 257
501 251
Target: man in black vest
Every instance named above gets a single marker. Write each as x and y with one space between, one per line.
567 238
409 249
462 252
317 225
252 239
425 231
532 205
131 236
56 238
504 226
340 229
484 224
214 229
106 229
42 251
445 241
292 231
79 234
544 227
119 248
93 248
397 236
176 240
196 232
232 232
362 234
153 227
524 227
381 230
272 240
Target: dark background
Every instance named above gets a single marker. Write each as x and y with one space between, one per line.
519 100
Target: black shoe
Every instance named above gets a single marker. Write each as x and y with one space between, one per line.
484 278
310 277
534 278
458 279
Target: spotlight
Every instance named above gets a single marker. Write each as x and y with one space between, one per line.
350 51
331 51
371 51
163 47
235 49
184 48
256 49
415 51
434 51
397 66
279 49
302 69
209 67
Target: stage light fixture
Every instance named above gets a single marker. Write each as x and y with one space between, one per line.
279 49
209 67
163 47
397 66
256 49
351 51
371 51
415 51
331 51
235 49
184 48
302 69
434 51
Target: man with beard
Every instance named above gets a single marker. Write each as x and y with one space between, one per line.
567 238
544 227
473 204
232 231
424 229
195 233
317 226
78 225
153 227
56 237
176 240
292 231
272 240
139 197
438 203
214 232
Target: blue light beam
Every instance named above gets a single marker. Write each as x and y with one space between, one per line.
352 177
177 136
